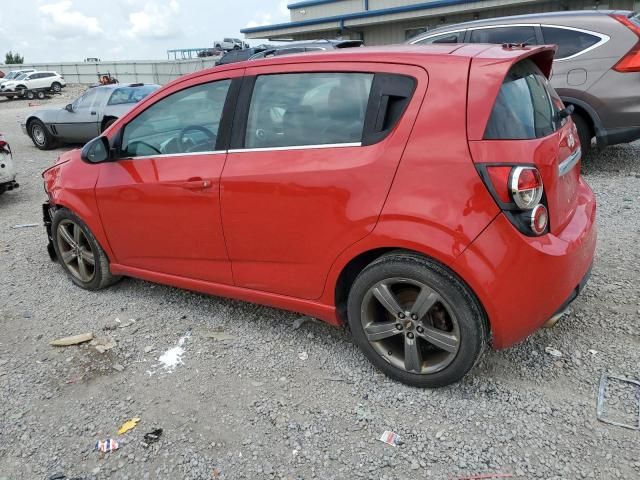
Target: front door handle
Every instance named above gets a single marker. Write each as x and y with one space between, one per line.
93 113
194 184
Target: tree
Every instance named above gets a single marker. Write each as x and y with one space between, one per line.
13 58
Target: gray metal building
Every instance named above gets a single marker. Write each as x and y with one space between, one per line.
380 22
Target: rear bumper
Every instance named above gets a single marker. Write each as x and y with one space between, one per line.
523 281
614 136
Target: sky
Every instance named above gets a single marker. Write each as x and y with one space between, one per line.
72 30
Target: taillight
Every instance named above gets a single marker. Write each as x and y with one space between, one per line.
631 61
526 187
519 192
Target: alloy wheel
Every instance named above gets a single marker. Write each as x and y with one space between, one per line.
37 132
75 251
410 325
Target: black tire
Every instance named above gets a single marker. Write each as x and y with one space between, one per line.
471 325
21 91
40 95
40 136
56 87
585 132
108 123
30 95
101 275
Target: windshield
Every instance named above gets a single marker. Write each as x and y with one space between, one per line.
20 76
125 95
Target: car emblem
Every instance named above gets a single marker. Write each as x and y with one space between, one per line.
572 140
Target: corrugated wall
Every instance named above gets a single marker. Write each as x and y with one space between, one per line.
159 72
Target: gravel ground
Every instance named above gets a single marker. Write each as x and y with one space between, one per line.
257 398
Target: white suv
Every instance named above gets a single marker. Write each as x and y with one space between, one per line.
35 80
14 73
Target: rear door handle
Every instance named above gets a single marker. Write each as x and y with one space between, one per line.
93 113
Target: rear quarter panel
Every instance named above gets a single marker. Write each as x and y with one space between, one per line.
437 204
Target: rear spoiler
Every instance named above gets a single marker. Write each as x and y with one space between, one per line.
486 74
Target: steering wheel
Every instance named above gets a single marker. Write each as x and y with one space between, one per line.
186 145
141 142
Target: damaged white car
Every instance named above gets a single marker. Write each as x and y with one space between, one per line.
7 168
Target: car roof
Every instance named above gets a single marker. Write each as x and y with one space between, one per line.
113 86
524 18
400 54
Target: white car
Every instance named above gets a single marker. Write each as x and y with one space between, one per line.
7 168
14 73
34 80
227 44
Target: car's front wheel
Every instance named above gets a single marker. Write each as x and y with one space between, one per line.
40 136
79 253
416 321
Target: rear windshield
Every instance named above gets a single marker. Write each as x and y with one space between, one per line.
526 106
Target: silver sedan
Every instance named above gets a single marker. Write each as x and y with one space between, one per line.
87 117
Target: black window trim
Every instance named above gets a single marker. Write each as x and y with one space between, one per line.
370 136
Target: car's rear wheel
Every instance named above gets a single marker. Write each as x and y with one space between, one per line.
79 252
585 133
40 136
56 87
416 321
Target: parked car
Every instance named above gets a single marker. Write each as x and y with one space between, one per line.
7 168
306 46
434 221
597 66
230 44
234 56
14 73
88 116
34 80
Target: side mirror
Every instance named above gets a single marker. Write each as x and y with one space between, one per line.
69 107
96 150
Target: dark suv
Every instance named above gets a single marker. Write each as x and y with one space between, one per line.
596 68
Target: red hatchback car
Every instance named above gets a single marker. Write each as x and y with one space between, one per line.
430 196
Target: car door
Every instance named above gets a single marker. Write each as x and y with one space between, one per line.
313 153
159 202
82 123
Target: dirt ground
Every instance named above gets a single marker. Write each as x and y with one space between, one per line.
257 395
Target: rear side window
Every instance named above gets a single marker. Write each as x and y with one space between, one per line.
297 109
569 42
526 106
451 37
522 34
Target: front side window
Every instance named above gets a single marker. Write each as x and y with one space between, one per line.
307 109
499 35
569 42
124 95
526 106
184 122
451 37
86 100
